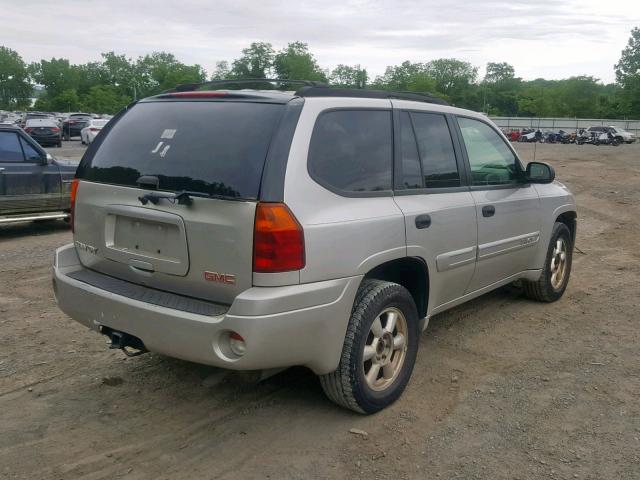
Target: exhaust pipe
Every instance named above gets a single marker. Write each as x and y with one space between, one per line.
121 341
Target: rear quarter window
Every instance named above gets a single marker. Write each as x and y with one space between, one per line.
351 151
217 148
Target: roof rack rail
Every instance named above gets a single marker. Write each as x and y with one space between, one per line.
187 87
326 91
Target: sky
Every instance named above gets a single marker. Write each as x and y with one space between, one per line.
541 38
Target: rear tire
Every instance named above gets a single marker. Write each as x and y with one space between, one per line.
557 267
383 328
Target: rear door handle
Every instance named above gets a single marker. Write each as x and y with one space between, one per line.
488 211
423 221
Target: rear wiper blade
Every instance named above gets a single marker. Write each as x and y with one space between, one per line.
181 198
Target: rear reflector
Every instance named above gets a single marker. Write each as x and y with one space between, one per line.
278 240
74 194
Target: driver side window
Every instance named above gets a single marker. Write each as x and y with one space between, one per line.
492 161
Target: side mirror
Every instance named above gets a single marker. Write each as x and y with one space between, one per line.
540 172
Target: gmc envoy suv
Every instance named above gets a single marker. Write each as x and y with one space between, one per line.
262 229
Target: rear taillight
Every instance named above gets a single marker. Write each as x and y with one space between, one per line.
74 194
28 130
55 129
93 129
278 240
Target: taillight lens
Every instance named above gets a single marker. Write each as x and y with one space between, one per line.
93 129
74 194
278 240
28 130
55 129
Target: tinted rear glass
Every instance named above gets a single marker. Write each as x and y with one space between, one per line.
217 148
351 150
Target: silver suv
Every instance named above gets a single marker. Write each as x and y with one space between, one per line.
261 229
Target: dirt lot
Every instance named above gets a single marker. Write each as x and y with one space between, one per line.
504 388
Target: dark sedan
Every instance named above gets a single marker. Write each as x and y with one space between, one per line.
73 125
44 131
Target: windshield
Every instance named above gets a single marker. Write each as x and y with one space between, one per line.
216 148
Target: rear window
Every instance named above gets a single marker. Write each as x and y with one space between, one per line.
217 148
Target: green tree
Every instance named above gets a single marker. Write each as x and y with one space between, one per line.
222 71
500 89
628 75
406 77
66 101
120 72
452 76
346 76
297 62
256 61
56 75
161 71
15 87
104 99
579 97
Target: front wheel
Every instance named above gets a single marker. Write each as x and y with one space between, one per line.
379 350
557 267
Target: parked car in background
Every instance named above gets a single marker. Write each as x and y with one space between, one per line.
34 115
259 230
45 131
74 124
33 184
623 135
88 133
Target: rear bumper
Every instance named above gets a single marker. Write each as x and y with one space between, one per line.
47 139
282 326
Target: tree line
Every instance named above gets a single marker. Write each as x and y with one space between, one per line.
108 85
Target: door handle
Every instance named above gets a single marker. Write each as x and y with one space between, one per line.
488 211
423 221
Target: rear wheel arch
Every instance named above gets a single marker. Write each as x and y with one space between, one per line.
410 272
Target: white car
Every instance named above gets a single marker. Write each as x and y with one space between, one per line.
627 137
88 133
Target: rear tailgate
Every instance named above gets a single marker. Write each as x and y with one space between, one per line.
202 248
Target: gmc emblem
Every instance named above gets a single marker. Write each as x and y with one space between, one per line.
225 278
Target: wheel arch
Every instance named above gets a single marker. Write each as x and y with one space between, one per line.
569 218
410 272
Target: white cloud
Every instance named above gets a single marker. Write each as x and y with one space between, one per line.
542 38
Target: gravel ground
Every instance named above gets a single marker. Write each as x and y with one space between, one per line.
504 388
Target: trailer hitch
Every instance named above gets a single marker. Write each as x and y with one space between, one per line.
122 340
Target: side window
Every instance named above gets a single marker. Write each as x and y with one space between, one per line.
439 166
411 170
10 150
30 153
491 160
351 150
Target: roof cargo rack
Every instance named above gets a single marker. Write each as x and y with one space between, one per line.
326 91
188 87
312 88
